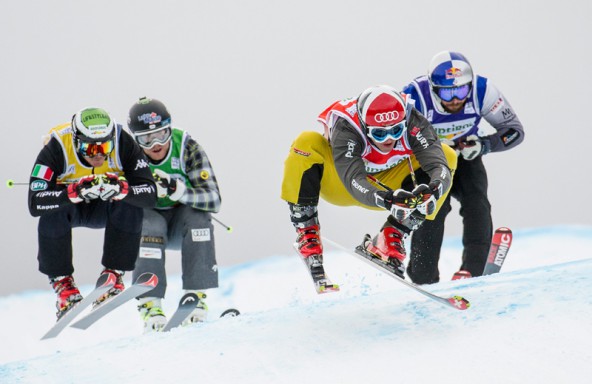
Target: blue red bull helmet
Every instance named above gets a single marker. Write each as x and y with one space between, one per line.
449 69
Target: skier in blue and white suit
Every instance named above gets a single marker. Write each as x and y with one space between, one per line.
454 100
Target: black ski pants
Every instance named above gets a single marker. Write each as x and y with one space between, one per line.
470 189
123 228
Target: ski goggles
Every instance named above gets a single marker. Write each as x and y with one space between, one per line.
94 149
449 93
150 139
382 134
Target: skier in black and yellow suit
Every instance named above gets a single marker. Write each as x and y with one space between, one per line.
92 174
369 137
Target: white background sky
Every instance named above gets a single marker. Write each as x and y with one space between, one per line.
246 77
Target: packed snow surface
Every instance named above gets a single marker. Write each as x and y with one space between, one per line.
529 324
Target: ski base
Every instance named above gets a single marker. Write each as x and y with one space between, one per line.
456 302
144 283
500 245
321 281
105 282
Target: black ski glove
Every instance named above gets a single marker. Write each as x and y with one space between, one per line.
168 186
474 146
400 203
87 188
427 195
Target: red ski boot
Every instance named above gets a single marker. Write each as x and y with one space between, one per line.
115 290
68 293
388 246
309 245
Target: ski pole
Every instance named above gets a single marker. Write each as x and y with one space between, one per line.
411 171
386 187
228 228
11 183
380 183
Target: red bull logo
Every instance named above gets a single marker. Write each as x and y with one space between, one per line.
453 73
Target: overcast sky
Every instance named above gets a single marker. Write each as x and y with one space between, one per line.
246 77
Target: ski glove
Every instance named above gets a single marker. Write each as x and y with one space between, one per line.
85 189
427 195
474 146
114 187
400 203
168 186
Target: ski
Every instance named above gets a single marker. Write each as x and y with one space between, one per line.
456 302
230 312
104 283
322 282
500 245
187 304
144 283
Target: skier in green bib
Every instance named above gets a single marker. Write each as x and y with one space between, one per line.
187 193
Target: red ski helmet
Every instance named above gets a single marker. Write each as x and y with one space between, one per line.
381 111
381 106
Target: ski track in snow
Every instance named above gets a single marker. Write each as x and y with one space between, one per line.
529 324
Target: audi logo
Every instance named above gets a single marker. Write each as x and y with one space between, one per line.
386 116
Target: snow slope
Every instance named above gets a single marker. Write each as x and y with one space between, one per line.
530 324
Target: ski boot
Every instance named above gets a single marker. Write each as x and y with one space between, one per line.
68 293
152 314
309 246
462 274
200 313
308 243
115 290
310 249
389 248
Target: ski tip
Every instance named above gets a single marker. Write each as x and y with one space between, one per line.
327 288
147 279
459 302
231 312
188 298
106 279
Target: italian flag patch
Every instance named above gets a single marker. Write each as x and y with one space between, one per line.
42 172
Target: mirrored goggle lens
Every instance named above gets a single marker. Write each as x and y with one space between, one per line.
148 140
382 134
94 149
447 94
